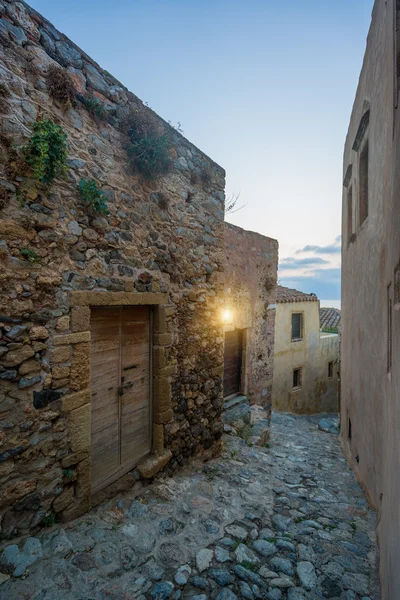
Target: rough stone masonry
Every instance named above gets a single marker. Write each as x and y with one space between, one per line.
161 245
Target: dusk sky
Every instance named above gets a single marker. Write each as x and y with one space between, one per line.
264 88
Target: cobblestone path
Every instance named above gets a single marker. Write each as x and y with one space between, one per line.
285 522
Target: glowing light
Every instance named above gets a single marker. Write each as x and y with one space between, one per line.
227 315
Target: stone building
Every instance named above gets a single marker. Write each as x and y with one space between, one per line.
306 359
111 350
249 322
370 348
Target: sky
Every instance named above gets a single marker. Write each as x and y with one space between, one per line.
265 88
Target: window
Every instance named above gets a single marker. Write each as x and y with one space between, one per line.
296 378
349 214
389 328
364 183
297 326
330 370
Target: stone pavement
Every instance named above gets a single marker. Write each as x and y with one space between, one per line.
285 522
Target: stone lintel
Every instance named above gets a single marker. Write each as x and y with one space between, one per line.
153 464
71 338
81 298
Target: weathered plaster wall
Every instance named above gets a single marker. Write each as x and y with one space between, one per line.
161 245
250 288
370 395
317 393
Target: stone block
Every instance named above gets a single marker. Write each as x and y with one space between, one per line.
29 366
80 318
79 428
38 333
167 371
161 394
158 438
63 323
71 338
74 459
163 339
158 357
16 357
61 354
60 372
64 499
160 321
73 401
80 368
17 490
83 483
78 508
153 464
163 417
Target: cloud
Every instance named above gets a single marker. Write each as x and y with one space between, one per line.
325 283
334 248
301 263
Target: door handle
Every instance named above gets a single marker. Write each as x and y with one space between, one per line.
128 386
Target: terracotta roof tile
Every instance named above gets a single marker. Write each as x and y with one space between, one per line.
330 318
284 294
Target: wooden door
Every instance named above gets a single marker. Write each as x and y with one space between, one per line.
120 391
232 362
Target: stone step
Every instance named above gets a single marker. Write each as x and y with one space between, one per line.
234 401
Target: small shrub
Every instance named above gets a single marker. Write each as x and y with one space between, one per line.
94 107
163 201
269 283
150 156
60 85
46 151
206 176
142 122
49 519
189 197
29 255
93 197
67 473
194 178
4 94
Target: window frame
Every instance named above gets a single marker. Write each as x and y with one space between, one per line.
363 181
299 370
297 339
330 369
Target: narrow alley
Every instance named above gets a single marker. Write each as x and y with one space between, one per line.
285 521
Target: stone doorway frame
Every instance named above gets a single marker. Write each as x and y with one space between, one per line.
77 406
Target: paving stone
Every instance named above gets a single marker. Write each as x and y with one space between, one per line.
203 559
221 555
221 576
243 554
264 548
356 582
226 594
282 582
281 565
306 572
162 590
182 575
199 582
237 532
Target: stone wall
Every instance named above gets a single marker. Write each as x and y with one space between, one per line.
162 245
370 339
250 290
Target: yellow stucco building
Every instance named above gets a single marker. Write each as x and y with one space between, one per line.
305 376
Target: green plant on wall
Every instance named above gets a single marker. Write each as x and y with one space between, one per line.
149 145
94 106
29 255
46 151
93 197
150 156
